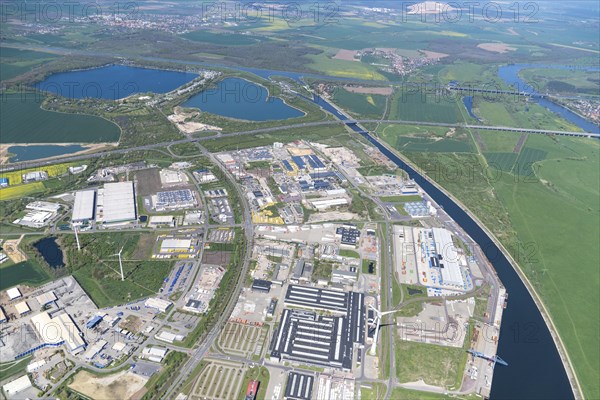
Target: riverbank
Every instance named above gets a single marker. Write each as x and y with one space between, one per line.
5 155
560 346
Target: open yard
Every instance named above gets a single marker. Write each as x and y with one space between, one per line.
122 385
435 365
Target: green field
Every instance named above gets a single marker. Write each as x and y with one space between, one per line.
325 63
546 213
349 253
102 282
398 137
14 62
360 105
28 272
223 39
436 365
520 114
562 81
23 121
412 106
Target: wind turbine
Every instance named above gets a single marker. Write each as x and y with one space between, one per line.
378 316
120 262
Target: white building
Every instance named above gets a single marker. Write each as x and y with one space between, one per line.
118 203
57 330
13 293
83 209
16 386
444 246
22 308
43 206
159 304
175 245
322 204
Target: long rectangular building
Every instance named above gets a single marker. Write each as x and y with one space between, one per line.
84 207
351 304
119 202
447 258
307 337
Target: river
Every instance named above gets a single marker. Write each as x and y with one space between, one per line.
535 369
510 75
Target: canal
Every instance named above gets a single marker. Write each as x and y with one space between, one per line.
535 369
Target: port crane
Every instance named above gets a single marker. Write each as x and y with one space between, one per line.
495 359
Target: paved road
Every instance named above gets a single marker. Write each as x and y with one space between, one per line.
198 354
35 164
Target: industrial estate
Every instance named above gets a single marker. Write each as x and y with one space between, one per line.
306 317
341 200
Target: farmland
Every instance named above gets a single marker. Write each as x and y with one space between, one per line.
408 139
16 62
24 121
16 177
556 177
365 105
412 106
15 192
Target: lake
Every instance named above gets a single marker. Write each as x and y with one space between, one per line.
241 99
51 252
113 82
28 153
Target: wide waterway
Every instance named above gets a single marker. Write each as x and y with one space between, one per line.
535 369
510 75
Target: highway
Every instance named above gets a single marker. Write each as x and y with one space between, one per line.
41 163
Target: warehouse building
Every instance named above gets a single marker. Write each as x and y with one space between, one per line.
13 293
46 298
43 206
348 235
316 298
351 304
307 337
299 386
118 203
172 245
447 258
84 207
22 308
261 285
16 386
57 330
174 200
159 304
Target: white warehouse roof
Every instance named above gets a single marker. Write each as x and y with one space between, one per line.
83 209
59 329
13 293
451 273
18 385
119 202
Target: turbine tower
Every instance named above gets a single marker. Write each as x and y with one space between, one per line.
120 262
378 316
